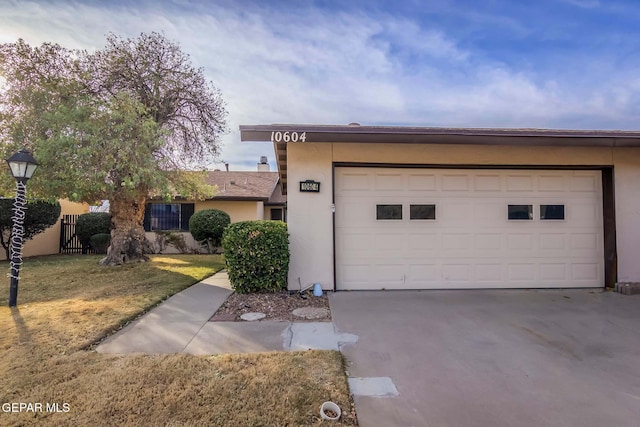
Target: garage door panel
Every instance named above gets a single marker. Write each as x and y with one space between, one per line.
521 242
455 182
389 242
386 182
522 272
471 242
553 272
488 183
489 242
422 182
555 183
584 183
553 241
585 271
457 272
519 183
354 181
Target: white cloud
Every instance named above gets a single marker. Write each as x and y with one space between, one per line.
315 66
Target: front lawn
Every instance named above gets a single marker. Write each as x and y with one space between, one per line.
67 303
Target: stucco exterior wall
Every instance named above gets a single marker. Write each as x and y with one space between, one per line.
48 242
627 196
237 210
310 223
311 218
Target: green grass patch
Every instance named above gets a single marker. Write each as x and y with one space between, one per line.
67 303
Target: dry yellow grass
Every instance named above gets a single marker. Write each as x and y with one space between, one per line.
68 303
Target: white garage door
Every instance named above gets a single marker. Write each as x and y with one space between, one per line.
469 228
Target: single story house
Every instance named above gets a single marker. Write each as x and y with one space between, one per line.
386 207
244 195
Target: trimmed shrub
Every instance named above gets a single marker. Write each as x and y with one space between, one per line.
100 242
257 255
166 238
92 223
39 215
207 227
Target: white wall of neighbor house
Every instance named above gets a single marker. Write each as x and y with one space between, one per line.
311 219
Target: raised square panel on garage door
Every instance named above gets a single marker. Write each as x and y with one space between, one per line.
584 183
354 181
552 183
488 182
519 183
422 182
455 182
388 181
355 213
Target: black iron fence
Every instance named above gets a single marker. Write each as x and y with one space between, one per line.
69 242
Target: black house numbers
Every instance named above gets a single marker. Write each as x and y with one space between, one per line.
309 186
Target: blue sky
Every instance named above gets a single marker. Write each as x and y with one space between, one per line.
568 64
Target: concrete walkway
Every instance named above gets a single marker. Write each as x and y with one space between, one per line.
181 325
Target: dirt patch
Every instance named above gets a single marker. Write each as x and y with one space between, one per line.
276 306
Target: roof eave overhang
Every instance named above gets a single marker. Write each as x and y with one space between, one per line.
429 135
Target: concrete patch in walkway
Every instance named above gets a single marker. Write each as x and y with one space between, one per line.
373 386
317 336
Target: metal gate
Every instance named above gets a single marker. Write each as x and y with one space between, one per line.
69 242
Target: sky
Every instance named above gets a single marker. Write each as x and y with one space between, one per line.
561 64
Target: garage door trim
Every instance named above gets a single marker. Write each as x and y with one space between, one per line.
608 202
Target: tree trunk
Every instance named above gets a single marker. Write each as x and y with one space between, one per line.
128 240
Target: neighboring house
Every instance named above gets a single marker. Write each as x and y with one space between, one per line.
427 208
48 242
244 195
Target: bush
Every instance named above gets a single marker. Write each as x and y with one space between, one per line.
39 215
92 223
257 255
165 238
207 226
100 242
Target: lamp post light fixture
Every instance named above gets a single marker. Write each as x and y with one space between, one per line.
22 166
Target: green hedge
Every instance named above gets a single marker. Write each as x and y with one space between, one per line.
92 223
257 255
100 242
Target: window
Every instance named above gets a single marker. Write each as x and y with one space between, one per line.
276 214
388 211
551 211
422 212
520 212
167 216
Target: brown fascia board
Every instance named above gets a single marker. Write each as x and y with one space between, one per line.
238 199
432 135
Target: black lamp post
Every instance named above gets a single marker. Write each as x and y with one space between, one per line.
22 166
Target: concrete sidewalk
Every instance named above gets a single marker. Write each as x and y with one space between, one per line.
181 325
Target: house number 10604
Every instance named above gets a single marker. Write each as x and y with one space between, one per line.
288 136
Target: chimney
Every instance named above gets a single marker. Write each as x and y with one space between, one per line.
226 165
263 166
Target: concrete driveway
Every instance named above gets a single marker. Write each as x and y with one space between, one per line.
495 358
